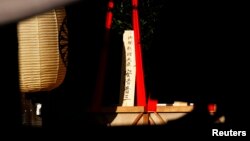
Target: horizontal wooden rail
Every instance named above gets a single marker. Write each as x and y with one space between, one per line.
140 109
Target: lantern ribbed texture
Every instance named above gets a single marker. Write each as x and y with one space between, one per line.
40 65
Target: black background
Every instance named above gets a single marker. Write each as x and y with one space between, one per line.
197 55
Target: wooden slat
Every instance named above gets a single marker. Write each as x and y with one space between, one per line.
137 119
166 109
139 109
124 109
145 119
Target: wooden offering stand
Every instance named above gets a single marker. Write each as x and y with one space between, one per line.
137 115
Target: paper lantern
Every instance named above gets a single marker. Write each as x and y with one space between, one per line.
41 66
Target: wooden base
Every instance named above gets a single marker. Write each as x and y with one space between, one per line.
137 115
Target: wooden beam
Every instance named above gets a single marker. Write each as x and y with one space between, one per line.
140 109
165 109
124 109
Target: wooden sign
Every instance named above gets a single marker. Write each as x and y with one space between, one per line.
127 93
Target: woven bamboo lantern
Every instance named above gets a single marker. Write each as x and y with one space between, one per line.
41 67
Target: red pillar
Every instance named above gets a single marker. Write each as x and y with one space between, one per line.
140 85
98 94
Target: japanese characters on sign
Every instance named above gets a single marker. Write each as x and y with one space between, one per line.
128 77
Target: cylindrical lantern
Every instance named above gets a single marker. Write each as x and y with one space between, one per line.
41 67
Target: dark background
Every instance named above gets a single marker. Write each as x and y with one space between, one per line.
196 55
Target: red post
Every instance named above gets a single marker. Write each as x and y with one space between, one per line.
140 85
98 94
152 104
